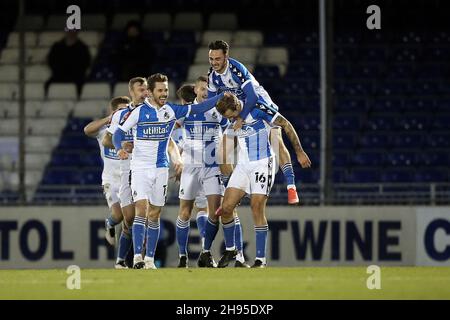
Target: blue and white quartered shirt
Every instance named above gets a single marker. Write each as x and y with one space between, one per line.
201 137
253 137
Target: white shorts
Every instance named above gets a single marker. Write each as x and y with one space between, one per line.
195 179
255 177
200 199
151 185
111 192
125 189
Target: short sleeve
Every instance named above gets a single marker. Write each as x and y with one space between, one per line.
131 121
114 122
181 111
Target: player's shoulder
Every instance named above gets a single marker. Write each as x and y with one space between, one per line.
236 66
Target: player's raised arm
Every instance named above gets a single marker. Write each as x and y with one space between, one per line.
107 139
93 127
119 135
302 157
251 99
205 105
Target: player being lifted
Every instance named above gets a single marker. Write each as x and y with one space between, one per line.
227 74
254 172
153 123
111 180
202 134
137 88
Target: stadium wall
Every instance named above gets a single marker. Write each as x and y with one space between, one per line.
56 237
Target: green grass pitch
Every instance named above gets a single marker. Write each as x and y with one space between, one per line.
229 283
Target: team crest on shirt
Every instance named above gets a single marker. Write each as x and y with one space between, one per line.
214 115
135 193
182 191
166 115
147 116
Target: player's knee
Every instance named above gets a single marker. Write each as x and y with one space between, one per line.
227 209
185 214
141 208
257 208
154 213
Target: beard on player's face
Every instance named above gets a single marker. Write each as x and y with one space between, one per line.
160 97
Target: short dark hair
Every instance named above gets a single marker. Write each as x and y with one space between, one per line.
202 78
227 102
134 80
187 93
219 45
154 78
119 100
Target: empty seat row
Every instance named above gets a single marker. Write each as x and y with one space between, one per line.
32 55
263 56
150 21
51 127
48 38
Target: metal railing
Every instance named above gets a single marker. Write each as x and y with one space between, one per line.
343 194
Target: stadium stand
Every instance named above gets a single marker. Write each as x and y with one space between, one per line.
391 108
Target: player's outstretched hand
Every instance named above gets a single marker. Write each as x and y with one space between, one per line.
303 159
123 155
238 124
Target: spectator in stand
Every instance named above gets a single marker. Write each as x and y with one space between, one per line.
69 59
134 54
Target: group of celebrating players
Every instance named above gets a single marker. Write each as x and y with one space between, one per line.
228 143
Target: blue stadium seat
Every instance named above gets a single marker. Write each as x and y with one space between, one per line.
418 122
357 105
262 72
434 159
310 141
345 141
381 122
397 175
367 159
340 159
374 140
346 123
438 139
383 104
431 175
407 140
175 71
441 122
401 159
363 176
183 37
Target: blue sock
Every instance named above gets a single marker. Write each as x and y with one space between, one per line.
152 238
202 217
288 173
261 239
112 222
182 231
211 229
238 234
228 234
138 234
124 246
